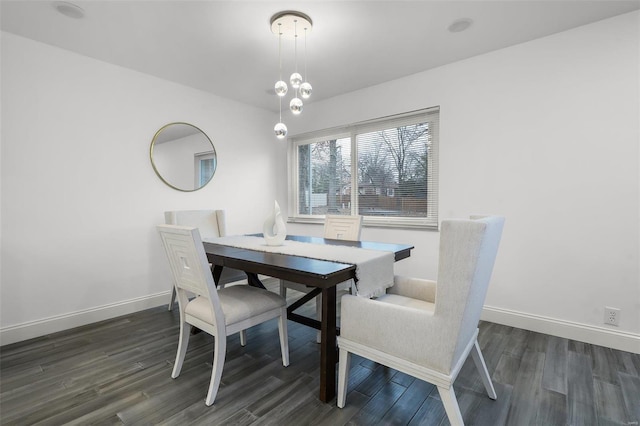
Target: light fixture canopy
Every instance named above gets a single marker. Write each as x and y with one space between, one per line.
290 21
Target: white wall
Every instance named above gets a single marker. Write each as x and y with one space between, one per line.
79 196
547 134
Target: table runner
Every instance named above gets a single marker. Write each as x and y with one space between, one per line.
374 268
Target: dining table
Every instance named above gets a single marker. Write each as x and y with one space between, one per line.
320 274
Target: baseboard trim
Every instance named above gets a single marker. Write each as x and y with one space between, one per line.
41 327
601 336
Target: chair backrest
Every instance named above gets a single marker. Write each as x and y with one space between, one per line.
340 227
468 251
211 223
189 266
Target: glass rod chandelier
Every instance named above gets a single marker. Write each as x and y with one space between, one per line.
290 24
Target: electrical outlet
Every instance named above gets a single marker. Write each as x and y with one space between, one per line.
611 316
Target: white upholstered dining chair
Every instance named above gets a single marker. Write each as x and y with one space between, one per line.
425 328
218 312
341 227
211 224
336 227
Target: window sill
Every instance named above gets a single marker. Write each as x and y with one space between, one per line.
376 222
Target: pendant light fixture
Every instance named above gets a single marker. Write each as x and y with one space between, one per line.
305 88
289 24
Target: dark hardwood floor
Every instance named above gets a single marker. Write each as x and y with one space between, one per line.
118 372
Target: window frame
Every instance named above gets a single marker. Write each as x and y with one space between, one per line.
198 158
430 115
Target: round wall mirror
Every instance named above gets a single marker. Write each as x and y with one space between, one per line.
183 156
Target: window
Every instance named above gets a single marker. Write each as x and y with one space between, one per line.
205 167
384 170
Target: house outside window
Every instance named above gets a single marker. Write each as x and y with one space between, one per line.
385 170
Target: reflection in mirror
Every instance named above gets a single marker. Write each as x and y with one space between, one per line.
183 156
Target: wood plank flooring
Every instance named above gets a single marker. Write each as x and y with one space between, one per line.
118 372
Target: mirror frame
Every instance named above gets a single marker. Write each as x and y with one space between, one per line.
153 164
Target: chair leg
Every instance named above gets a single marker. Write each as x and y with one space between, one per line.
183 342
219 354
243 337
318 316
283 289
284 337
478 360
451 407
173 298
343 376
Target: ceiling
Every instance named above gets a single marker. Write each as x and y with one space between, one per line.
227 48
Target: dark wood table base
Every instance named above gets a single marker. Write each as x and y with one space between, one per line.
321 274
328 333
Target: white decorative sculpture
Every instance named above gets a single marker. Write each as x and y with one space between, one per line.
274 230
